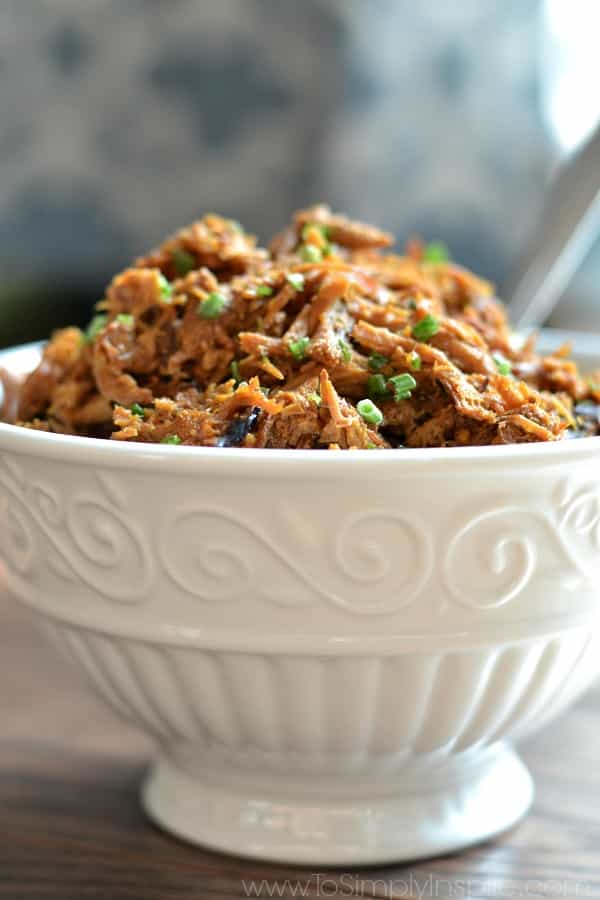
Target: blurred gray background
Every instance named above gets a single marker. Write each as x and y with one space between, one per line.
121 120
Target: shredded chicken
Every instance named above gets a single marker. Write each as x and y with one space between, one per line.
327 339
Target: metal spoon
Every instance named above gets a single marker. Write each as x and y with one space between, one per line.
568 227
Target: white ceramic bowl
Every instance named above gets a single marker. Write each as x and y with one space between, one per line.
333 648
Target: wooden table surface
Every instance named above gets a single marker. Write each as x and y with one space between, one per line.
71 826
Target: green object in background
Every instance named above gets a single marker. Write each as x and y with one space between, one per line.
436 252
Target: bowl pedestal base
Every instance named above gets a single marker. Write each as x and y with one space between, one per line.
310 820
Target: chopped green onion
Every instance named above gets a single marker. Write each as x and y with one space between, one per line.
426 328
377 386
402 386
263 290
171 439
315 398
310 253
412 304
296 279
183 261
235 370
212 306
298 348
237 226
436 252
324 230
265 390
415 361
502 364
125 319
346 350
369 412
97 325
166 289
371 445
138 410
377 361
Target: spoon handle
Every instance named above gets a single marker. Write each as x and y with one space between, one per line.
569 226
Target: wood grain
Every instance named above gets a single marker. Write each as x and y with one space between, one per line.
71 827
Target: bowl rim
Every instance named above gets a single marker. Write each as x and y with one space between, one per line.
130 454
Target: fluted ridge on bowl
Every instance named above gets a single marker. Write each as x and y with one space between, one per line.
348 713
